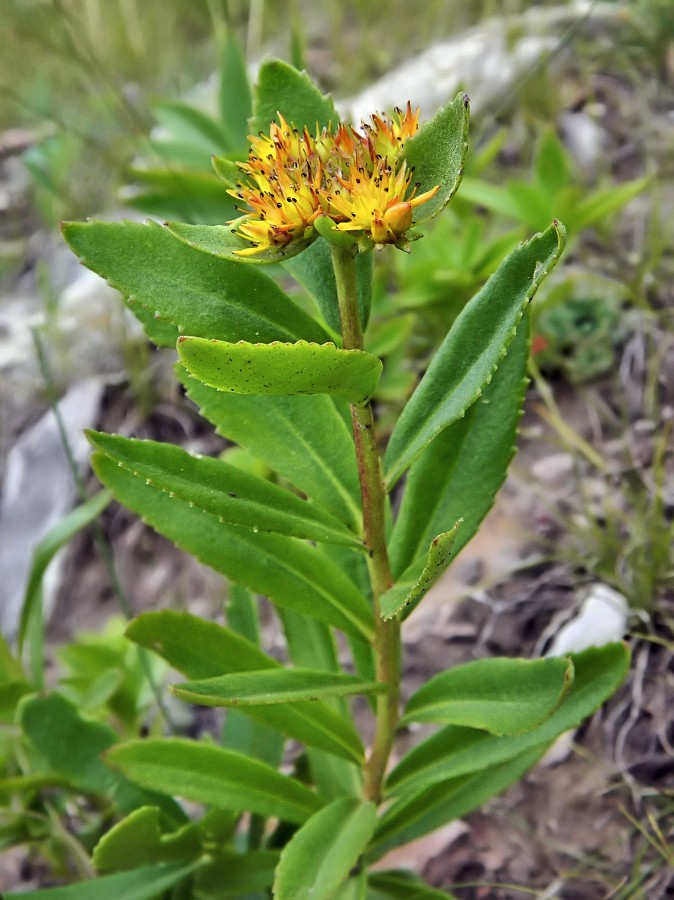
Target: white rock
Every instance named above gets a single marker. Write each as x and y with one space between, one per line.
487 60
601 619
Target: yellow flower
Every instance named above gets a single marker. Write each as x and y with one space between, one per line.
355 178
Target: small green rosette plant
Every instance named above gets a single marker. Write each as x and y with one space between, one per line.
294 388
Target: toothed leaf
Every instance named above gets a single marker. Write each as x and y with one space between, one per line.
276 686
277 368
282 89
200 294
288 571
272 428
235 496
458 474
420 577
437 153
473 349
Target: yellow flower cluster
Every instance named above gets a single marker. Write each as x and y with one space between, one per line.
354 178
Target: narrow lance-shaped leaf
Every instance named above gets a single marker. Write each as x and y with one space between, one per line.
200 294
288 571
235 496
458 474
304 438
416 581
277 368
319 857
312 645
207 774
420 813
145 883
471 352
457 750
242 733
280 685
501 696
203 650
234 95
437 153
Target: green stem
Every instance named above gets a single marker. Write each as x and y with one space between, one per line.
386 642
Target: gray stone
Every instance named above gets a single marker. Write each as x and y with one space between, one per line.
38 490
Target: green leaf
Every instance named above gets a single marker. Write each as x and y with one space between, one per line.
196 647
43 554
314 271
280 685
437 153
288 571
245 734
491 196
234 95
203 773
240 732
138 840
353 889
501 696
459 473
455 751
241 613
227 170
174 151
277 368
236 874
282 89
473 349
320 856
191 125
419 813
10 667
146 883
402 885
71 747
304 438
212 485
200 294
10 694
312 645
186 195
553 167
204 650
534 206
601 204
159 331
224 242
420 577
